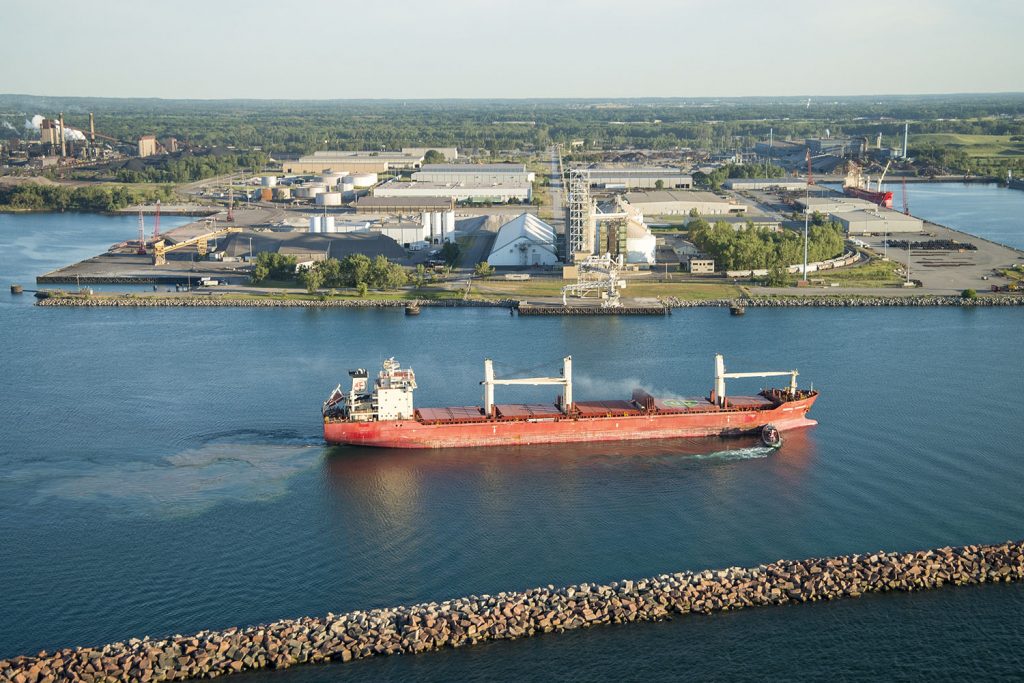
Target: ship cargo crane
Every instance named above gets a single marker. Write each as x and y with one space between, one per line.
201 243
565 381
721 375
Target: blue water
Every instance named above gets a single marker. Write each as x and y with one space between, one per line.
161 471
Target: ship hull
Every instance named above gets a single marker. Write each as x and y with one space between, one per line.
415 434
883 198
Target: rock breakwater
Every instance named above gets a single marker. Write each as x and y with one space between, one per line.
259 302
474 619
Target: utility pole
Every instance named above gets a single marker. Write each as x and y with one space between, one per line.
807 215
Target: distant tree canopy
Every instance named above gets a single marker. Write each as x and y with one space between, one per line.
756 248
270 265
186 168
715 179
433 157
39 197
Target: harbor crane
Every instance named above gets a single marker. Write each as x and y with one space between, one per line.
598 275
201 243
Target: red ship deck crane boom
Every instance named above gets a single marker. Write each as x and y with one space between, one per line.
565 381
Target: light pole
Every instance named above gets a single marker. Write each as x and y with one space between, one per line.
807 215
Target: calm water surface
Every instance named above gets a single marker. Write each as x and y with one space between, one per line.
162 471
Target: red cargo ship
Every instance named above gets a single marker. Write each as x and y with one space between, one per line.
384 416
882 198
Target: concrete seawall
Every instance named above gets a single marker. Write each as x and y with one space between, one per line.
475 619
820 301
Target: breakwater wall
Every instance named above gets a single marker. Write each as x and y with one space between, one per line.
466 621
214 301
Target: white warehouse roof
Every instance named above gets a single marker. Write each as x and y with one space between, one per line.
524 240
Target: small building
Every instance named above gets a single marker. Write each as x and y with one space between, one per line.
405 233
350 162
147 145
878 221
524 241
458 191
759 184
474 174
682 202
700 265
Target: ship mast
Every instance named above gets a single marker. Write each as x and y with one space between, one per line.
565 381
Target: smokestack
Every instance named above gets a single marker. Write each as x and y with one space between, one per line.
63 145
906 134
92 128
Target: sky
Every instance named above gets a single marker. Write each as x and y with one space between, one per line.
405 49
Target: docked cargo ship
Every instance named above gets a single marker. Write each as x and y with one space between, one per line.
384 415
859 187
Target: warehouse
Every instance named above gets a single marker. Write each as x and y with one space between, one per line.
524 241
403 205
493 193
757 184
351 162
449 153
639 177
878 221
682 202
835 204
307 247
406 233
760 222
475 174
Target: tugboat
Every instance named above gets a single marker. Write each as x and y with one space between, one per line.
771 436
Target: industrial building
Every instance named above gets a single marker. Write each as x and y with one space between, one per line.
639 177
351 162
493 193
840 147
309 247
740 222
403 205
757 184
524 241
147 145
701 265
878 221
834 204
474 174
682 202
449 153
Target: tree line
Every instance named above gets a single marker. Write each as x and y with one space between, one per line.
40 197
356 271
751 248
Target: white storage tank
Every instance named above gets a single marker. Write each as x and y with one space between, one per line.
282 193
362 179
448 225
268 181
425 222
314 224
435 225
347 187
328 224
329 199
330 178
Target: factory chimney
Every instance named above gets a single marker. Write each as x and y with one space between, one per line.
63 144
92 128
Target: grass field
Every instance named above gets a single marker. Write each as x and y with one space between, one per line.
975 145
876 273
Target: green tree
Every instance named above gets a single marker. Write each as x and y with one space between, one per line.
450 253
483 269
311 278
659 184
778 276
433 157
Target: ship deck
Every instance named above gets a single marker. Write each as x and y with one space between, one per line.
583 410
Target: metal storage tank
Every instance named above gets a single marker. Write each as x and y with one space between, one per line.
329 199
266 194
435 225
330 179
314 224
328 224
268 181
425 222
347 186
362 179
282 193
448 226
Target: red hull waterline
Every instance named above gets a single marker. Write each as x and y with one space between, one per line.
715 422
882 198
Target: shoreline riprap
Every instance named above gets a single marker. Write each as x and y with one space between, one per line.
466 621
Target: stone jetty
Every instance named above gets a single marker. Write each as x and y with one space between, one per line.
213 301
466 621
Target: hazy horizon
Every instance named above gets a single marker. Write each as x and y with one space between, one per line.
530 50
